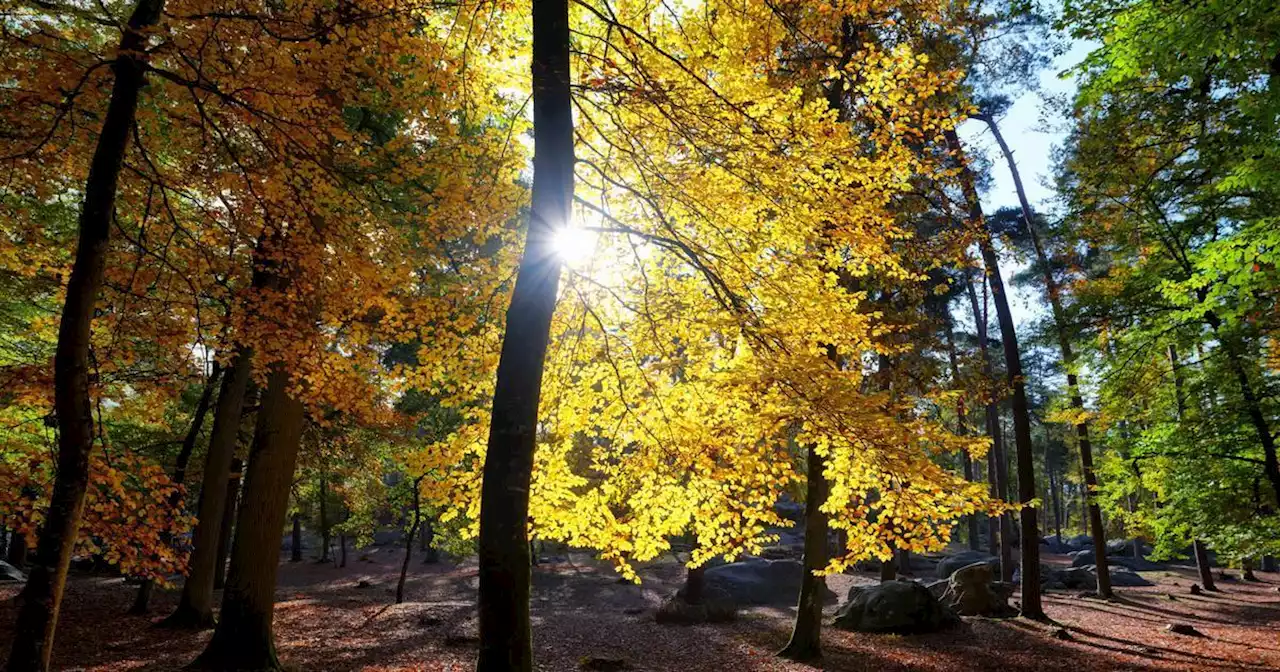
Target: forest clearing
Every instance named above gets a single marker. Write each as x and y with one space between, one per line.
517 335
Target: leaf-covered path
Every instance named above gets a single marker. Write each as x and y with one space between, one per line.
344 619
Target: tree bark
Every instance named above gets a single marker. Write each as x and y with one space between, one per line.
806 635
505 638
195 605
228 524
42 596
1031 606
1202 565
695 584
431 554
142 602
999 529
295 543
889 568
243 639
1068 362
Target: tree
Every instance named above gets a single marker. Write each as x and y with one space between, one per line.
1030 535
42 596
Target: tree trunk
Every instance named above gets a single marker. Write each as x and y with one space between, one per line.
695 584
16 554
999 529
142 602
243 638
342 549
806 636
1202 565
325 538
228 524
408 540
1252 405
505 638
1031 606
42 596
431 554
195 605
295 552
1055 497
1246 569
962 430
889 568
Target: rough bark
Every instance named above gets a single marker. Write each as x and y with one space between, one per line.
806 636
889 569
695 584
505 638
1031 605
142 602
195 605
42 597
243 639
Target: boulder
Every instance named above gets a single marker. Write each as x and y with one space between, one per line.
1125 547
1121 576
715 607
970 593
761 581
1087 559
948 565
1054 545
11 574
902 607
1080 541
938 588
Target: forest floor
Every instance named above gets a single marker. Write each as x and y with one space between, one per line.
345 619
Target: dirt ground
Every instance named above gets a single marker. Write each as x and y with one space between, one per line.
327 619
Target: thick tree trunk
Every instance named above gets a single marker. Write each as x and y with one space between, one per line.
889 568
695 584
42 597
243 639
142 602
195 605
1202 565
505 638
342 549
999 529
806 635
1252 405
228 524
1031 606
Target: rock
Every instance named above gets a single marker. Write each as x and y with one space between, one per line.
902 607
633 611
1066 579
790 509
938 588
1183 629
1125 546
713 608
948 565
364 583
428 620
461 639
969 593
602 664
1087 558
1061 634
1080 541
9 573
1195 589
760 581
1122 577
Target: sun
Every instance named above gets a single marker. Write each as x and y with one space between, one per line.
574 246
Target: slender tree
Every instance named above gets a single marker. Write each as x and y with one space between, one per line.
1030 584
42 596
505 637
1068 362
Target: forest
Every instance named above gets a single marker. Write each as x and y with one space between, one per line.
639 335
